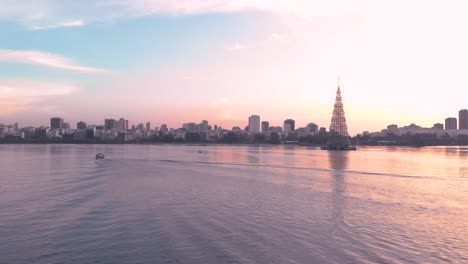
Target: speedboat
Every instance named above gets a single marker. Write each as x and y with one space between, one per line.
100 156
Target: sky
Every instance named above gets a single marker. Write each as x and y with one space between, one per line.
177 61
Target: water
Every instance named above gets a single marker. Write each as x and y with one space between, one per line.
232 204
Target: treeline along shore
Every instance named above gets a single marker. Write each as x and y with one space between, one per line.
274 138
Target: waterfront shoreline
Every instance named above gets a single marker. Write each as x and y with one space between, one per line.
215 144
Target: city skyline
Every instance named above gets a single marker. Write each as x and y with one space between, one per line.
259 125
224 60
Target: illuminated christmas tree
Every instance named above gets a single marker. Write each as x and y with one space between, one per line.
338 122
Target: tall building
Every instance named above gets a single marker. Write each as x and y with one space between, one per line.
148 126
81 125
451 123
254 124
338 122
289 125
122 125
265 126
463 119
56 123
438 126
110 124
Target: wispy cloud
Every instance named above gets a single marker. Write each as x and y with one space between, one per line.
46 59
73 23
52 13
237 47
34 89
303 8
18 95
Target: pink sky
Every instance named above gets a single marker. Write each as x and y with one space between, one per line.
400 62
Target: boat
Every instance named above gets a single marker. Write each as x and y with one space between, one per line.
100 156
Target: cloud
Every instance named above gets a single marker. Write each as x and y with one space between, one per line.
45 59
33 89
305 8
236 47
74 23
18 95
52 13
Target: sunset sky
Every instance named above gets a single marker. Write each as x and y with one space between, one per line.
175 61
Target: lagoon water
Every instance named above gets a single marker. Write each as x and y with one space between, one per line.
232 204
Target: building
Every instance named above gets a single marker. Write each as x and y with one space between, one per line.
438 126
140 127
392 129
463 119
254 124
163 129
66 126
110 124
204 126
312 127
451 123
148 126
81 125
276 129
189 127
289 125
122 125
56 123
265 126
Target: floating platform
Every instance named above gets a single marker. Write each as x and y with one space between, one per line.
338 148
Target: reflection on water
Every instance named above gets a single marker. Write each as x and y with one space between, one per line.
338 162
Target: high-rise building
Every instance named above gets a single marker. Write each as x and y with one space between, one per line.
148 126
56 123
289 125
110 124
66 125
338 122
122 125
451 123
438 126
463 119
265 126
254 124
81 125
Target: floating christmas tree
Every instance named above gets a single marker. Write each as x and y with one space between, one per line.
338 122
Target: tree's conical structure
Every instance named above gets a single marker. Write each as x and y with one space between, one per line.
338 122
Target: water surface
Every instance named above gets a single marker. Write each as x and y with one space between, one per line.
232 204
